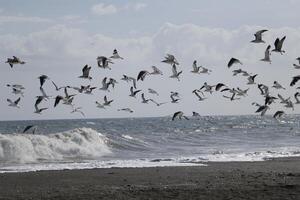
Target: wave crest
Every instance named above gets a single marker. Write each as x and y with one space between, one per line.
83 143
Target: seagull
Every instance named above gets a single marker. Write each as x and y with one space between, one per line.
178 115
289 104
107 102
112 82
142 75
144 100
204 70
14 103
198 95
78 110
173 100
56 87
85 72
105 85
44 95
116 55
175 73
170 59
39 110
237 71
195 114
128 78
208 88
251 79
296 97
99 105
18 91
232 97
174 94
240 92
126 110
43 78
196 68
103 62
158 104
262 109
156 71
278 45
13 61
38 100
278 114
133 93
258 36
297 66
233 61
17 86
277 85
89 90
219 85
283 100
267 55
27 128
269 99
264 90
295 80
57 100
151 91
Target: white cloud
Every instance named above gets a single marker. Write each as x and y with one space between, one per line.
22 19
102 9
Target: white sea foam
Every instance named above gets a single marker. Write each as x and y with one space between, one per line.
31 148
127 137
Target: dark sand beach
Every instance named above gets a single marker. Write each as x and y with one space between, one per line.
273 179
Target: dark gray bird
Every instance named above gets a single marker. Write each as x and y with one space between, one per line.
103 62
179 115
278 114
85 72
295 80
175 73
142 75
278 45
27 128
258 36
233 61
133 93
14 103
170 59
107 102
57 100
116 55
43 78
267 55
13 61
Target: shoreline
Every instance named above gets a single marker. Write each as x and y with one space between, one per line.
277 178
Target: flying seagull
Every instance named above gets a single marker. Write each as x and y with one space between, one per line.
219 86
175 73
277 85
170 59
103 62
13 61
278 114
107 102
258 36
85 72
14 103
77 110
43 78
128 78
133 93
156 71
233 61
178 115
39 110
295 80
99 105
142 75
196 68
198 95
27 128
126 110
57 100
151 91
116 55
278 45
267 55
262 109
144 100
251 79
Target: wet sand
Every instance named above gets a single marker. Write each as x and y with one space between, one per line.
274 179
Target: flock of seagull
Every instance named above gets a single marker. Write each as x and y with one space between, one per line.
233 94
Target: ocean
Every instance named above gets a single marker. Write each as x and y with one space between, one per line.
145 142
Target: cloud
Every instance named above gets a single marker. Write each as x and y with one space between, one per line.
22 19
102 9
60 52
139 6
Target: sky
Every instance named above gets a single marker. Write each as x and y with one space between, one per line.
59 37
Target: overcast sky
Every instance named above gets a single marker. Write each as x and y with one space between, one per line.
59 37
